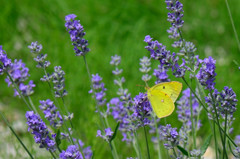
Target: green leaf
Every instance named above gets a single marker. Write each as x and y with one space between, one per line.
57 139
183 150
206 144
115 132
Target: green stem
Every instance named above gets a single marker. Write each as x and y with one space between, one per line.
137 148
15 134
112 142
215 141
216 116
233 26
52 154
224 140
70 120
19 92
145 134
192 120
174 152
158 140
31 103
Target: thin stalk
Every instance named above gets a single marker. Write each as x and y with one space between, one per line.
215 141
192 120
174 152
19 92
15 134
216 116
31 103
208 112
52 154
137 148
91 84
158 142
233 25
224 140
66 111
112 143
145 134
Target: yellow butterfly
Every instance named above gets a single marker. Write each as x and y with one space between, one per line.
162 97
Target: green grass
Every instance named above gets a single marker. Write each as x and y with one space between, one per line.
112 27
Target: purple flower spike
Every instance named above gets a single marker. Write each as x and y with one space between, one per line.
142 109
72 152
107 134
51 113
99 90
18 71
76 31
39 129
5 62
207 74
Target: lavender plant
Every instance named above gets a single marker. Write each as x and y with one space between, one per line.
131 113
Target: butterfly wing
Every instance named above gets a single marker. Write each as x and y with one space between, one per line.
161 103
172 89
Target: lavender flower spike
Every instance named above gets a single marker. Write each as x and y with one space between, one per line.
76 31
5 62
51 113
72 152
40 131
207 74
107 136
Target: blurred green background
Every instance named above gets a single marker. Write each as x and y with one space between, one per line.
112 27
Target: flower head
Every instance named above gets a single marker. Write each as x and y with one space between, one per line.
35 47
161 74
39 129
5 62
76 31
207 74
142 109
107 134
145 68
51 113
18 71
58 80
72 152
169 135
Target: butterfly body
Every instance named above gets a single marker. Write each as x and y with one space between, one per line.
162 97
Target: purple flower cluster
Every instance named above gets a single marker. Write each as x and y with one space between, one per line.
5 62
207 74
224 101
176 9
19 74
51 113
58 80
184 110
26 90
18 71
35 48
116 60
227 100
166 59
122 112
107 134
145 68
99 90
40 131
72 152
76 31
175 18
161 74
40 58
142 109
169 135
